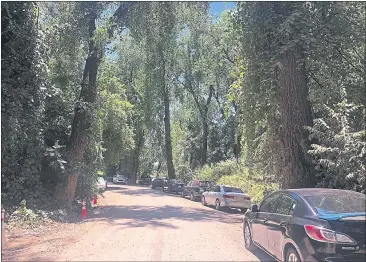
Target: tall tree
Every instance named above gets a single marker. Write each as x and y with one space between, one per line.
157 31
274 45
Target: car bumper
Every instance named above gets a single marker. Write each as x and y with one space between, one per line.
309 254
235 204
119 182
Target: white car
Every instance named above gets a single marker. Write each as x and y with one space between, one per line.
226 196
101 184
120 179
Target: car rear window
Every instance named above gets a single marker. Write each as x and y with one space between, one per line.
232 189
337 203
204 183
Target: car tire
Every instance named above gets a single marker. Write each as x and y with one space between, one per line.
182 195
248 241
192 197
153 187
292 255
217 204
203 200
243 210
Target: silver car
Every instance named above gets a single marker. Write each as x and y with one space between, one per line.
226 196
120 179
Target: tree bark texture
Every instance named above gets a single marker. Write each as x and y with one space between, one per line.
83 118
167 128
296 113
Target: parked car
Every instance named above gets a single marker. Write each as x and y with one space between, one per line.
226 196
102 184
165 182
145 180
175 186
309 225
120 179
195 188
157 182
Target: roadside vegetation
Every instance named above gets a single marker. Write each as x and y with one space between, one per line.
267 95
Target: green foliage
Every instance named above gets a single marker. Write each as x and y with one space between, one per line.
222 73
114 113
22 102
339 152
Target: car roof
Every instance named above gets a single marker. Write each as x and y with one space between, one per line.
311 191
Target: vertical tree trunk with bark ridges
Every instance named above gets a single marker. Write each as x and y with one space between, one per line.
82 119
295 113
205 138
167 135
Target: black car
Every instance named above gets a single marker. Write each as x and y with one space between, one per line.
309 225
195 188
175 186
157 182
145 180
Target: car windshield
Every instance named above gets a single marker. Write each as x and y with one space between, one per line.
232 190
337 203
205 183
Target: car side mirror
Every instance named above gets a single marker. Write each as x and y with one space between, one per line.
255 208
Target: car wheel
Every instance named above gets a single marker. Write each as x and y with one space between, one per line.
243 210
292 255
248 237
203 200
183 194
192 197
217 204
153 187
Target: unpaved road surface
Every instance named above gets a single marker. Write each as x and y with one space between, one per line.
140 224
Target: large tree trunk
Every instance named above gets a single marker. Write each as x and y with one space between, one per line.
168 139
83 117
167 135
204 138
295 113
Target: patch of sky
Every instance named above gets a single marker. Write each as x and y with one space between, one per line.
217 8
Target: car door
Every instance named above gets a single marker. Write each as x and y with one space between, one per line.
209 195
259 222
215 194
277 224
187 188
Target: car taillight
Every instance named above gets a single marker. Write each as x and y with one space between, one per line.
246 198
227 196
326 235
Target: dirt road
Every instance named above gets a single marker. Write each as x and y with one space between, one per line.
140 224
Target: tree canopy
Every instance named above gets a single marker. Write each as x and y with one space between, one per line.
267 93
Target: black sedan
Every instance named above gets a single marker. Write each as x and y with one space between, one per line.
309 225
175 186
157 182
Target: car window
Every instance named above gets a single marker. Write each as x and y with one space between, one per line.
204 183
286 205
269 204
232 189
342 202
216 189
